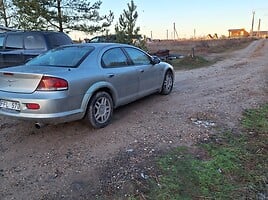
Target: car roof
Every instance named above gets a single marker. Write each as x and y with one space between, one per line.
100 45
38 32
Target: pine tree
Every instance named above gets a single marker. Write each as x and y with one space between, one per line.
125 30
31 14
62 15
80 15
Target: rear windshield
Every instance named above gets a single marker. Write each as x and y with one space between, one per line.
58 39
69 56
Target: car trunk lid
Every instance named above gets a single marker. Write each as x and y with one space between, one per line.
19 82
25 79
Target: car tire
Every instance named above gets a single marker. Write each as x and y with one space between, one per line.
100 110
167 85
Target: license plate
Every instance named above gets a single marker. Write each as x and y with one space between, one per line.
12 105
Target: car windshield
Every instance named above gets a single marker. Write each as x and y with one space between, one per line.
68 56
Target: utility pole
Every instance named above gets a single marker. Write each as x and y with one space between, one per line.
175 31
167 34
259 27
252 25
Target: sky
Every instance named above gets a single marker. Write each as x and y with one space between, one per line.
191 17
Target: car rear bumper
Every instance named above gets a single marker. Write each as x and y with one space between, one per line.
55 107
54 118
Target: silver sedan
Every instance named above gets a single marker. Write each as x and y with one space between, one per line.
82 81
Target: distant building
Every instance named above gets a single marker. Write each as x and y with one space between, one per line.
234 33
260 34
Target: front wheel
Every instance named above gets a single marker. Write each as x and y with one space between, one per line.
167 83
100 110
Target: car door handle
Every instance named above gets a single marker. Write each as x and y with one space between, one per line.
142 70
110 75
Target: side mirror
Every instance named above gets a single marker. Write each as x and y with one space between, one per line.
27 60
155 60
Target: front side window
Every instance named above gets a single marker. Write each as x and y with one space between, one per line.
14 41
138 57
34 41
114 58
69 56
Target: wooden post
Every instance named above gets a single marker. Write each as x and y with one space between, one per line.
193 53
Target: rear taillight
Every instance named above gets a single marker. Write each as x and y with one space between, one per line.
52 84
33 106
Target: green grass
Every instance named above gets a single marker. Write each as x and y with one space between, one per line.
190 62
256 119
232 166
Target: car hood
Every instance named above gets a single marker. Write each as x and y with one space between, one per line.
25 79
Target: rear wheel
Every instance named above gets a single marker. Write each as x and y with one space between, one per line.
167 83
100 110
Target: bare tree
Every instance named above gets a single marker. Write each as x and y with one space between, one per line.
6 13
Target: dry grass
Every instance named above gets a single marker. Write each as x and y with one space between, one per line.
202 47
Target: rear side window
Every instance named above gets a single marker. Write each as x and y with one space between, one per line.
138 57
34 41
114 58
58 39
2 38
14 41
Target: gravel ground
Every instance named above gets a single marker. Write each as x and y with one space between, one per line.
74 161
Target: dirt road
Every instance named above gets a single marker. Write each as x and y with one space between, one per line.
74 161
